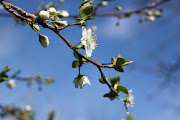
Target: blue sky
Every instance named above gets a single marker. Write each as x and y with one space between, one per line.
20 49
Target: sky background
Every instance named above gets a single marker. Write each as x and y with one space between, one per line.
145 43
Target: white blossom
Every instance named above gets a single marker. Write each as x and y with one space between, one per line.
103 3
52 11
43 15
62 23
43 39
11 84
151 18
88 40
81 80
28 108
129 101
63 14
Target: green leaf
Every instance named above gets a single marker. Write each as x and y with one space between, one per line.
119 69
75 55
120 61
102 81
49 81
51 115
84 60
85 10
75 64
6 69
115 80
110 96
123 89
127 62
113 60
4 78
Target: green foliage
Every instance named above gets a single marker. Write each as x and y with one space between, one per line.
85 11
123 89
115 80
119 62
48 81
51 115
76 63
102 81
3 75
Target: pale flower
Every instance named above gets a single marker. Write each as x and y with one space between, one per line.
63 14
52 11
43 39
28 108
81 80
11 84
129 101
103 3
43 15
88 40
61 23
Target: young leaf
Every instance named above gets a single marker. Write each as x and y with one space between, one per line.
113 60
75 55
127 62
6 69
102 81
85 10
115 80
119 69
123 89
51 115
75 64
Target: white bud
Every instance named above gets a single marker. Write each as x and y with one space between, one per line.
103 3
28 108
150 18
118 8
43 15
43 39
52 11
93 28
62 23
11 84
36 27
63 14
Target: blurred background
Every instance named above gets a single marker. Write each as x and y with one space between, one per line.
154 75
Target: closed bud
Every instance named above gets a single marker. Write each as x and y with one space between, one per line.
118 8
11 84
52 11
43 15
103 3
157 13
43 39
61 23
150 18
36 27
63 14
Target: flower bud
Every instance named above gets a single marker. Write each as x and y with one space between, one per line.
43 39
103 3
28 108
150 18
61 23
52 11
36 27
118 8
63 14
43 15
157 13
11 84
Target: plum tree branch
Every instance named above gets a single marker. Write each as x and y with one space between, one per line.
30 19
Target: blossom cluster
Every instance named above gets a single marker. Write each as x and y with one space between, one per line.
55 16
